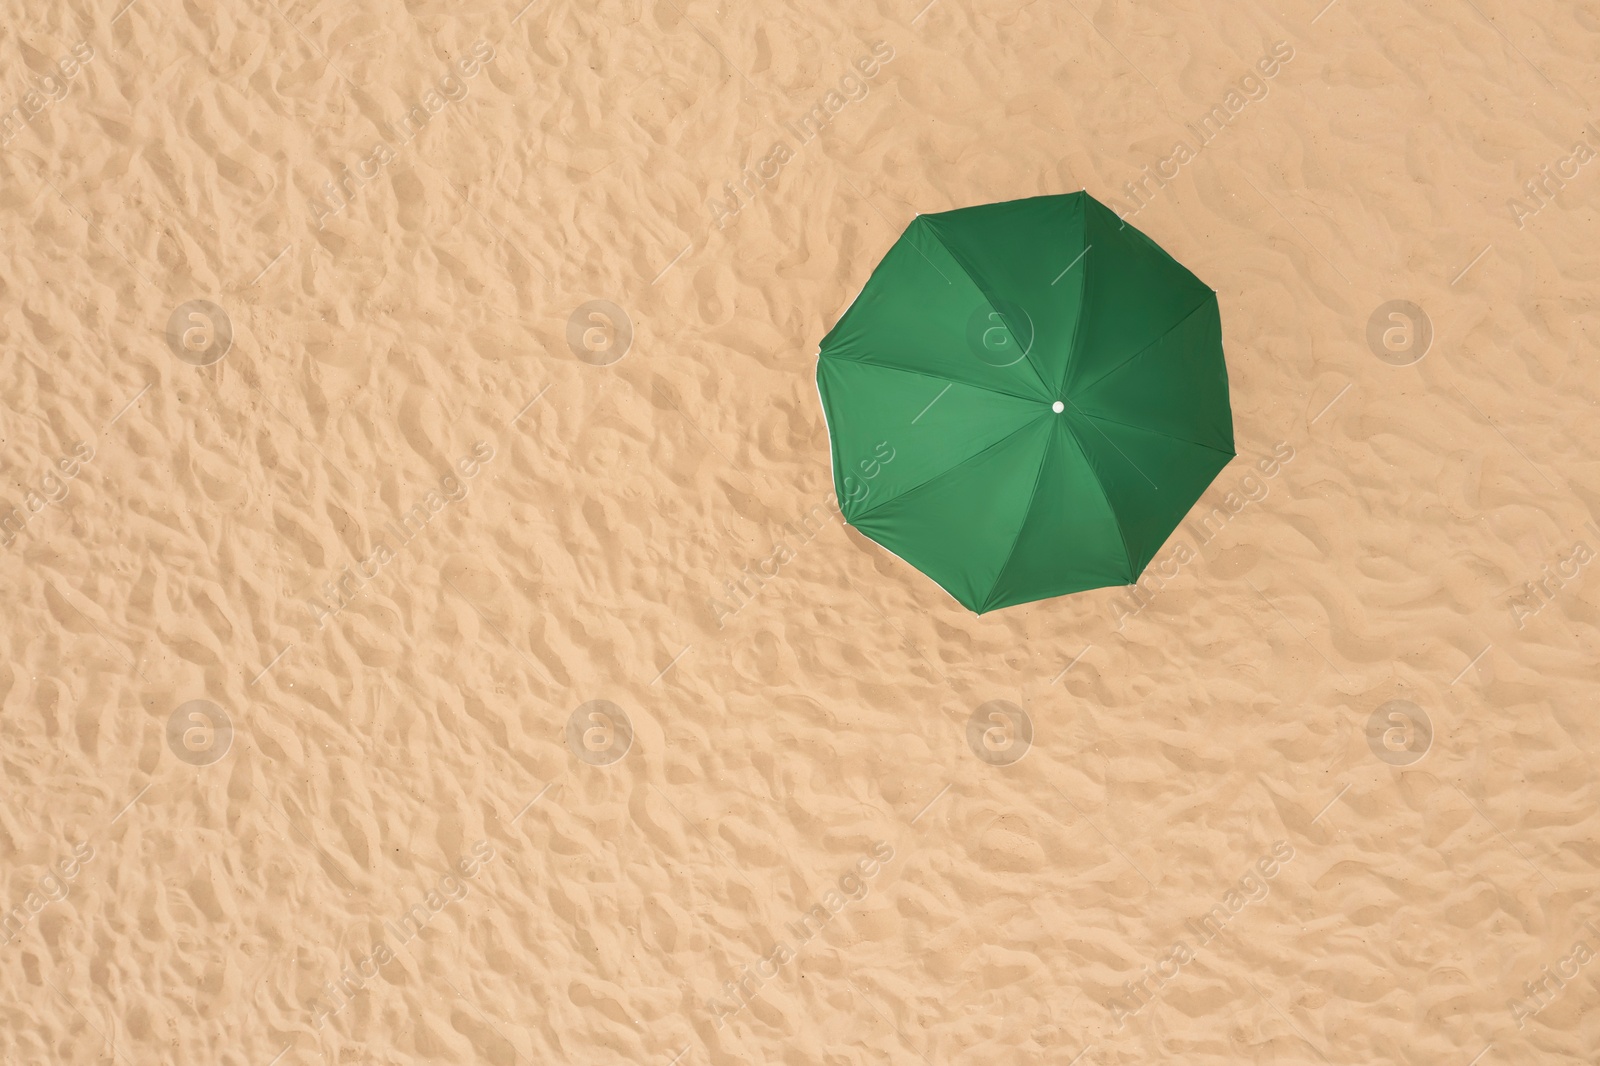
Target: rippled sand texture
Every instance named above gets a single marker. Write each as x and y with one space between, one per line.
400 347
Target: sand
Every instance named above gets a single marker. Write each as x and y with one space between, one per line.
428 638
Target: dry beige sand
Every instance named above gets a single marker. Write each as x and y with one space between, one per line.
309 588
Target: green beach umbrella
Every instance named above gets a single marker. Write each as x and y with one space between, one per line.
1026 399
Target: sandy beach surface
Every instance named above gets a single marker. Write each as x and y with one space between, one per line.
429 637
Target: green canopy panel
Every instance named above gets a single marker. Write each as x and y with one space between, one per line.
1025 399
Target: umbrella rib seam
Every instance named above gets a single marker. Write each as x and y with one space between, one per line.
988 299
924 484
1038 479
925 374
1083 302
1116 519
1165 334
1154 432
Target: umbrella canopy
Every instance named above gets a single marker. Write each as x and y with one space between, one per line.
1025 399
